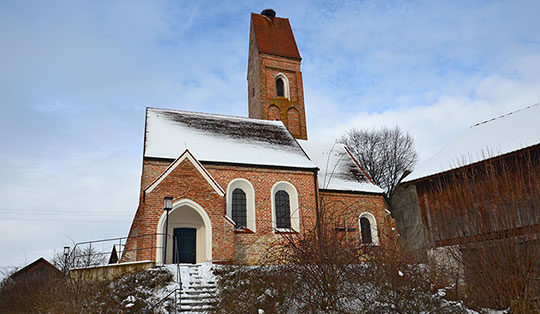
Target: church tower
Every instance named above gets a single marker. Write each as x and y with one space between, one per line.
275 89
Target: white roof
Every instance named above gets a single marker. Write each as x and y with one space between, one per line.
217 138
337 169
498 136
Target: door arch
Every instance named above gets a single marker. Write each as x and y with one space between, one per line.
185 214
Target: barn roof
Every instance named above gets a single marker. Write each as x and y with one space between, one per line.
219 138
498 136
337 168
274 36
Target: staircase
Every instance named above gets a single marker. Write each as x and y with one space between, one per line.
198 293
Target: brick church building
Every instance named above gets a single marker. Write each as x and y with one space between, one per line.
237 184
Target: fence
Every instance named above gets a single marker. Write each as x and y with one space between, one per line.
110 251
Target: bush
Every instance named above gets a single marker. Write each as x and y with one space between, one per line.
132 293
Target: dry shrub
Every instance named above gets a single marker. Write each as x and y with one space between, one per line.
488 216
246 289
321 272
75 295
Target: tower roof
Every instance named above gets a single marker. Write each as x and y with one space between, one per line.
274 36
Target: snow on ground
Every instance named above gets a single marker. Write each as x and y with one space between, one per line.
184 275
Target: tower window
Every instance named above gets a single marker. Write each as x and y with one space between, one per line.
280 87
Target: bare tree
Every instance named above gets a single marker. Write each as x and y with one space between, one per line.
385 154
80 257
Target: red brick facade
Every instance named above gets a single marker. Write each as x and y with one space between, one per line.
228 245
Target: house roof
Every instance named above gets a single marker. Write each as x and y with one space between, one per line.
38 268
274 36
498 136
219 138
337 168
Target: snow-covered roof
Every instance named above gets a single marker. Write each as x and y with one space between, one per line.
337 169
218 138
498 136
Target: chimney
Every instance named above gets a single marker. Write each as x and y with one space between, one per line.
269 13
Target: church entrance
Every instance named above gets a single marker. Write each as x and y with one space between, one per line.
185 245
189 234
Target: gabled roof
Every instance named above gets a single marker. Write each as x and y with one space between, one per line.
186 155
39 268
218 138
274 36
498 136
337 168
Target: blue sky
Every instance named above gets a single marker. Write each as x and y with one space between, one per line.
75 78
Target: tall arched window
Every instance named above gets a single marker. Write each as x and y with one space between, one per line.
239 209
365 227
241 204
280 87
283 210
368 229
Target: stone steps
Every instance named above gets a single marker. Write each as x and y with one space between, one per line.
197 296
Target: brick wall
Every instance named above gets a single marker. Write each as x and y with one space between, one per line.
250 247
346 208
247 247
186 182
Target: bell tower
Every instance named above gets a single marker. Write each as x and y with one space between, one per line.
275 89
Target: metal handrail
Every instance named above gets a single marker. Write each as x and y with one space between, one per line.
76 253
175 291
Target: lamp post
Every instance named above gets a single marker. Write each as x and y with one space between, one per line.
66 254
167 206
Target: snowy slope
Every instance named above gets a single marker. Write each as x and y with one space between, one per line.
498 136
337 170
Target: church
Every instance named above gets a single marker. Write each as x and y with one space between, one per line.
233 186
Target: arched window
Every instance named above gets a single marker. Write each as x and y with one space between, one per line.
280 87
283 210
241 204
365 227
368 229
239 211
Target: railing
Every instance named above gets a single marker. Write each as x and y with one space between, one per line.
111 251
178 291
177 297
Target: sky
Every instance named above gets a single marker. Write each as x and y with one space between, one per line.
76 76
